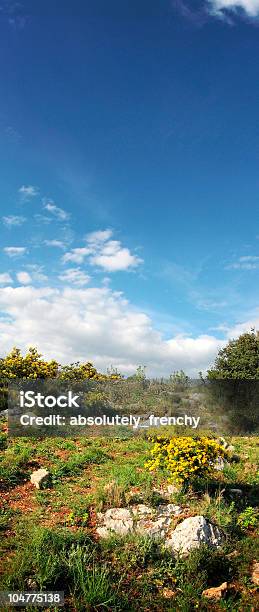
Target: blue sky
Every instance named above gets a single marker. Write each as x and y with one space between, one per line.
129 179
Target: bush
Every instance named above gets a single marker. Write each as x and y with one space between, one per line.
32 366
185 458
248 518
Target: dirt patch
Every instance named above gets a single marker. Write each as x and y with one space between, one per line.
20 498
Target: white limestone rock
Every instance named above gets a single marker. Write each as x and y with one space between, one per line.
114 520
192 533
39 477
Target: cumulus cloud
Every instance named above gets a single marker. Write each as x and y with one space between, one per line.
14 251
112 257
76 255
97 324
54 210
23 277
28 192
104 253
251 7
75 276
13 220
5 278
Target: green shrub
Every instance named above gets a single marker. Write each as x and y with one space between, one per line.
248 518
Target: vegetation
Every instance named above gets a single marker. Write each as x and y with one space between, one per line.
184 458
238 360
49 538
32 366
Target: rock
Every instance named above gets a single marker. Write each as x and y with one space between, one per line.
153 529
255 573
168 593
216 593
115 520
236 492
39 477
168 510
160 525
142 510
192 533
141 519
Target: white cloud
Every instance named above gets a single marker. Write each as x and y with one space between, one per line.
251 7
104 253
112 257
15 251
55 243
247 262
5 278
28 191
59 213
13 220
97 324
98 237
76 276
23 277
76 255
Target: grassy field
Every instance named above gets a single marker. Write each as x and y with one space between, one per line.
49 540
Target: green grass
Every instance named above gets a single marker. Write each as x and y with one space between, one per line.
50 541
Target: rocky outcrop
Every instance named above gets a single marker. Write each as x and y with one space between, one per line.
157 523
141 519
192 533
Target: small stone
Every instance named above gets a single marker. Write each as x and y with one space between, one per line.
192 533
39 477
216 593
169 593
255 573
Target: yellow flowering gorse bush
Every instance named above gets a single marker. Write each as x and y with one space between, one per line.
32 366
185 458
